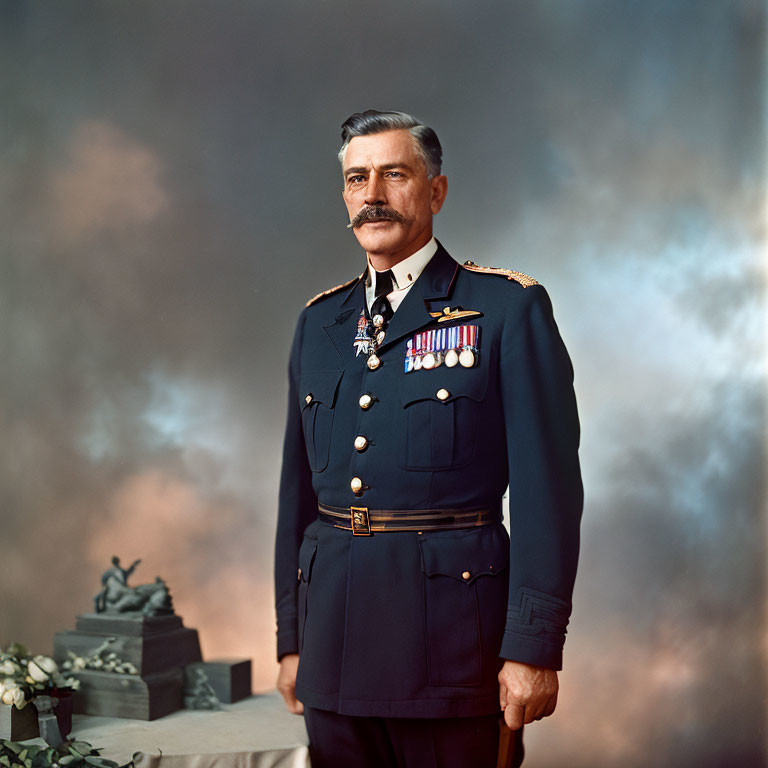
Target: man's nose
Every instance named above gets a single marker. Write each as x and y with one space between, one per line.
374 190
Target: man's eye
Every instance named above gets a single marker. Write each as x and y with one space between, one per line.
355 179
394 174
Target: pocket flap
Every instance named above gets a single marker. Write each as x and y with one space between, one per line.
307 553
444 385
465 555
319 387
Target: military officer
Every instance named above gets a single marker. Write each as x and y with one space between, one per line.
408 618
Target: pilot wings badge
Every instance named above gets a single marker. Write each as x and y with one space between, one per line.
455 314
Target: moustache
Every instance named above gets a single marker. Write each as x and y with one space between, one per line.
375 213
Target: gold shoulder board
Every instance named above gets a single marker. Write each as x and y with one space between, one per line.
510 274
331 290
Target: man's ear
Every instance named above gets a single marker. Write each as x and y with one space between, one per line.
439 191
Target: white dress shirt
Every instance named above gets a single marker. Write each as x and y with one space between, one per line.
404 275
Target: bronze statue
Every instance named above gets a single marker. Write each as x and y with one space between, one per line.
116 596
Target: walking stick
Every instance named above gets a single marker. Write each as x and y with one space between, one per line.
511 750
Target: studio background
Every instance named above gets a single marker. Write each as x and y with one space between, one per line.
171 199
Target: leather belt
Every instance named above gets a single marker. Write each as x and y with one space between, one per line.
363 521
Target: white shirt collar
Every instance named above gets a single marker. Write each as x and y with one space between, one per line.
408 270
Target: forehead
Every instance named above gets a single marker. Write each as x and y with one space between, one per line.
387 148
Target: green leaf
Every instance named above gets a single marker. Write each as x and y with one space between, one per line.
83 747
67 759
100 762
33 749
73 752
5 760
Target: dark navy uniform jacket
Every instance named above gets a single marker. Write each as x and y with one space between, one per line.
390 624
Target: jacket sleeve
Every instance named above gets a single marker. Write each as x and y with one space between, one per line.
545 489
297 508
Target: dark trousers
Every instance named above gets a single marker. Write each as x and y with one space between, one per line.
345 741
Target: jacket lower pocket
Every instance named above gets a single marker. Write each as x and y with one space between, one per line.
465 589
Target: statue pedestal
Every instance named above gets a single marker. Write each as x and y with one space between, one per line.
158 646
142 698
229 678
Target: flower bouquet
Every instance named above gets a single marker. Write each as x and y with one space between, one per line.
22 678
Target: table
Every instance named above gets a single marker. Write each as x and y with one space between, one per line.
257 732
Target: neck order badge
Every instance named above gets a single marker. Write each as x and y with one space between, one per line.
363 341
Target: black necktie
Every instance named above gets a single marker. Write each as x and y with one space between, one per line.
381 305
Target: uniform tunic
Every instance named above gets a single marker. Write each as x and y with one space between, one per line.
417 624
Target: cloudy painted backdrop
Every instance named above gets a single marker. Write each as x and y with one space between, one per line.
170 198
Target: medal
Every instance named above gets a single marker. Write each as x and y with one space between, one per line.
457 345
363 342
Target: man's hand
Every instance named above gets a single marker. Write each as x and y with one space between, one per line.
286 682
526 693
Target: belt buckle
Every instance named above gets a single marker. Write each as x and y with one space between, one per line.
361 524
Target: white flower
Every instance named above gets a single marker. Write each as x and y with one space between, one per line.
37 673
9 695
9 667
19 699
46 663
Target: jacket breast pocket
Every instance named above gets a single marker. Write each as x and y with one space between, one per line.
307 553
465 598
317 393
441 409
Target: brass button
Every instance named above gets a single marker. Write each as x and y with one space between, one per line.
365 401
356 484
361 443
466 575
373 362
442 394
308 398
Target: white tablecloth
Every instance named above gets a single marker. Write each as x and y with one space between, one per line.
257 732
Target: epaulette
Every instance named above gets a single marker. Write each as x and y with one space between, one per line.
510 274
335 288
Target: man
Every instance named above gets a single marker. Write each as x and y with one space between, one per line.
407 617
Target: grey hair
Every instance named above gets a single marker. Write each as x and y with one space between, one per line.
373 121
